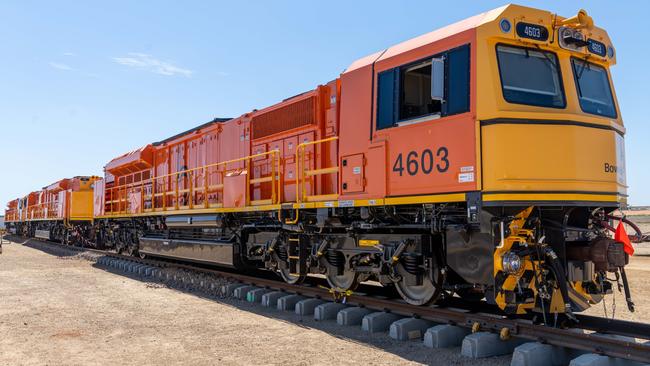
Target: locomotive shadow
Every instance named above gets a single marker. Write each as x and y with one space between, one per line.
408 350
49 249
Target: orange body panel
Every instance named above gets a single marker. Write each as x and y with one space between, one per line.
234 190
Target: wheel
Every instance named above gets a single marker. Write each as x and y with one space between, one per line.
129 250
281 259
289 278
427 292
424 294
349 280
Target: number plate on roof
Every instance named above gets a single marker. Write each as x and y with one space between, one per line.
532 31
596 47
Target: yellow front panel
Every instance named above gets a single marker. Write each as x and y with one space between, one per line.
81 205
533 157
543 151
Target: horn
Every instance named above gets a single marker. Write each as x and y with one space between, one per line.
580 20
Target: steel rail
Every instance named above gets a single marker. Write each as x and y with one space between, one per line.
602 344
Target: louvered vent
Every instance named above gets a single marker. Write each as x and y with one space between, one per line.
290 116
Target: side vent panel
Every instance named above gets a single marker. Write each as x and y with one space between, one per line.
290 116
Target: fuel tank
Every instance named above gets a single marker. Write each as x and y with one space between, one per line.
203 251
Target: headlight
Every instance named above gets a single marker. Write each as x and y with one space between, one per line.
511 263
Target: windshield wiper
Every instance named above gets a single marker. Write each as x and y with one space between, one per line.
585 65
547 57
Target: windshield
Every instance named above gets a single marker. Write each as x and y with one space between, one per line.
530 77
594 92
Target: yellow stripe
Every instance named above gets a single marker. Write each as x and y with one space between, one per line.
550 197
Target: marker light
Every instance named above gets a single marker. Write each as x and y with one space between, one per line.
505 25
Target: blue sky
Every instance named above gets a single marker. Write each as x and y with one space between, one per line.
83 82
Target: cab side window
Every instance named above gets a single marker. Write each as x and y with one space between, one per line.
411 91
416 92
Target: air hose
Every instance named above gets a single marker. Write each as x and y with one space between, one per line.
561 278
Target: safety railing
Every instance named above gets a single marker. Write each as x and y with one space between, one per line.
43 211
11 215
305 174
183 187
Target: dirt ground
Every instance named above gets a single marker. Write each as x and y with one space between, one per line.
62 311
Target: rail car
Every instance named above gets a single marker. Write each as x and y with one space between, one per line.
483 159
62 211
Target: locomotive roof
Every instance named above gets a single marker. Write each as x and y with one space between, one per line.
58 182
216 120
445 32
429 38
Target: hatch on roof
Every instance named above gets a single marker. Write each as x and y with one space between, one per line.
131 162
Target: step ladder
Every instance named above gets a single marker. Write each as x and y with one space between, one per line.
297 254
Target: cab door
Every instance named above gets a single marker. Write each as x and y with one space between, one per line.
423 116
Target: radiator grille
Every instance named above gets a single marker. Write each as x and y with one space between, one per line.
294 115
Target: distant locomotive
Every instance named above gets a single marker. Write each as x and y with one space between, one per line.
482 159
62 211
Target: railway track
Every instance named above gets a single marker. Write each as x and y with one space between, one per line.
600 336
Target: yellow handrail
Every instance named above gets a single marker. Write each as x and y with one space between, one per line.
122 199
302 173
38 210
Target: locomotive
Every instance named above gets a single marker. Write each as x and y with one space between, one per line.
56 212
482 160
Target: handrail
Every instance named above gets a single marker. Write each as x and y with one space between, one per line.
117 197
37 210
120 193
302 173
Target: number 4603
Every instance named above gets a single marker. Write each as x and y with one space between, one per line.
423 162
